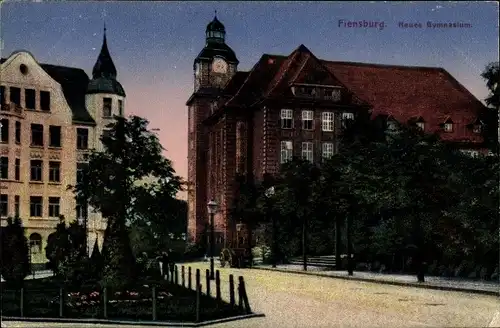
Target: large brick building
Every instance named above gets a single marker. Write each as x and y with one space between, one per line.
250 122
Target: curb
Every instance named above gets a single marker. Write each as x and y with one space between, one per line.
395 283
135 323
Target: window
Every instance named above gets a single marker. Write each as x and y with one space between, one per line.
36 206
286 118
29 98
36 135
106 107
327 151
17 203
327 121
18 132
5 130
36 170
54 171
45 101
17 169
346 117
448 127
477 128
286 151
81 211
35 243
307 151
333 94
3 99
392 125
307 119
106 133
4 167
82 138
54 207
80 169
15 96
120 107
421 125
4 205
54 136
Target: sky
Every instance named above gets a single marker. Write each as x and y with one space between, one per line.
153 44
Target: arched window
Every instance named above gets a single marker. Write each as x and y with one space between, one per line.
35 243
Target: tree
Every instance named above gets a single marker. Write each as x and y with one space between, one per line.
15 252
492 76
491 131
95 262
294 193
244 208
57 244
113 184
407 177
73 267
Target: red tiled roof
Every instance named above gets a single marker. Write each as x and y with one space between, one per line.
404 92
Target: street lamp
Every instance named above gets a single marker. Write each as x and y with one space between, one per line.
212 209
270 193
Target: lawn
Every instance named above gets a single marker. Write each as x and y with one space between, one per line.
173 302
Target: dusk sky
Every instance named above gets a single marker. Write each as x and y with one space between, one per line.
153 44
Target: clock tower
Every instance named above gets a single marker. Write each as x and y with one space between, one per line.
214 66
216 63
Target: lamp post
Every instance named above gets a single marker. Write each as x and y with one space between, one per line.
212 209
270 193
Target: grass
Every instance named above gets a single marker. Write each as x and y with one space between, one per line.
173 302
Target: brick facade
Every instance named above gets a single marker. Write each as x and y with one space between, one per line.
238 124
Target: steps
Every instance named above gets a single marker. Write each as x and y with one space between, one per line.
327 261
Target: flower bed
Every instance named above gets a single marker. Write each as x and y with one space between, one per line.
173 303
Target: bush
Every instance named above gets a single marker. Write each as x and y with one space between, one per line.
15 252
194 251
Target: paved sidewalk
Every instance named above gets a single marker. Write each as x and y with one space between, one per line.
432 282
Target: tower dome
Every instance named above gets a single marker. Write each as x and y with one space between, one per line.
104 73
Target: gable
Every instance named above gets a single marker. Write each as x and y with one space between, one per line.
313 72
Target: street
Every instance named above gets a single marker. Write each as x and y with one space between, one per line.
290 300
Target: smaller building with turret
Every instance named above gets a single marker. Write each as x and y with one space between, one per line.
51 117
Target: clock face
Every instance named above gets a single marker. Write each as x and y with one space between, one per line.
219 65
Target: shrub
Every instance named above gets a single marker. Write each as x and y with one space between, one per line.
15 252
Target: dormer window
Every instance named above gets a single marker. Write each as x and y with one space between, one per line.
477 128
332 94
420 125
391 124
448 127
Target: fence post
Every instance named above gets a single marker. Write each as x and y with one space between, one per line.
217 285
240 293
189 277
198 302
183 278
105 302
176 275
61 302
154 303
207 273
197 278
245 296
172 273
166 271
22 301
231 289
